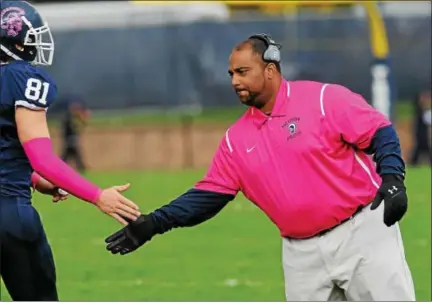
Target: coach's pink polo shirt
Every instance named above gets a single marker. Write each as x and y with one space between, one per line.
299 164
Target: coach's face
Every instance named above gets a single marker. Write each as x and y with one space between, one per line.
249 76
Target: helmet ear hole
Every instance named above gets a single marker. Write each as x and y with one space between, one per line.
26 53
19 47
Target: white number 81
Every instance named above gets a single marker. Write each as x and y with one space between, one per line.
37 90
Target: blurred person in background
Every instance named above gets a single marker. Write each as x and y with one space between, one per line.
27 158
73 123
422 127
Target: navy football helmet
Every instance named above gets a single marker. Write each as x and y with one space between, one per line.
24 34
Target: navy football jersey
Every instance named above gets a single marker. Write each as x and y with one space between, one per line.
21 84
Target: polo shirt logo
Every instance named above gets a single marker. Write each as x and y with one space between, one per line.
292 126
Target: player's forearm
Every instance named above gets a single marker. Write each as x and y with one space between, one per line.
192 208
41 184
43 160
386 148
35 179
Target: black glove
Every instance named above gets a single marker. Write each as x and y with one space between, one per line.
393 192
131 237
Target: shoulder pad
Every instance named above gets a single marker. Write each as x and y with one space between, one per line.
30 86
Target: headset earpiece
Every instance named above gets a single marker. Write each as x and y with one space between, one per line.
272 53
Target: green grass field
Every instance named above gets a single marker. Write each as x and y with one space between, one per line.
137 117
234 257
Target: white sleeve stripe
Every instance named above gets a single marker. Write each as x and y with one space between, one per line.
28 105
322 98
366 168
228 141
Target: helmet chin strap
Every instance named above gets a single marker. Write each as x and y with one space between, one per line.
9 53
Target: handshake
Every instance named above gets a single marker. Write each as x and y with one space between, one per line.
139 228
132 236
110 200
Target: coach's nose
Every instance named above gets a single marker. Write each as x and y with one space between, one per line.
235 82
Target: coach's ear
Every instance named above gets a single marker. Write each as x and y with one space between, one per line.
270 71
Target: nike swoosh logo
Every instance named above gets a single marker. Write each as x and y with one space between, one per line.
250 149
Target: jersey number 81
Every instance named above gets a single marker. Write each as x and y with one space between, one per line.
37 90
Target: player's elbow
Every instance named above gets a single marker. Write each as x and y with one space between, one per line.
40 154
39 166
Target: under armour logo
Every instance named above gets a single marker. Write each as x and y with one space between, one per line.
392 190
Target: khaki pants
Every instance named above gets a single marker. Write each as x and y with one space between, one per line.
360 260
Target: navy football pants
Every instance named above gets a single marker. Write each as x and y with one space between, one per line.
26 261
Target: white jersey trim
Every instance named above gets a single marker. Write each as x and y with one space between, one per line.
366 168
227 140
322 98
28 105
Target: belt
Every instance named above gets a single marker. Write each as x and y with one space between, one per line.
323 232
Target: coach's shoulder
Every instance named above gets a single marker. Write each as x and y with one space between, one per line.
236 131
305 84
308 85
334 90
305 89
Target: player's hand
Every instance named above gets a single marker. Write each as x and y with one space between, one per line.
47 188
114 204
131 237
393 192
59 195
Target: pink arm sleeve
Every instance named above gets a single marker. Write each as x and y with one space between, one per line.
351 116
43 160
221 177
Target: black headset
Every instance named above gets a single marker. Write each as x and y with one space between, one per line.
272 53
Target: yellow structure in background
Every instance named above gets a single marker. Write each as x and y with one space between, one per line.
377 32
382 85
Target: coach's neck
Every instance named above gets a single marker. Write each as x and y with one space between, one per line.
272 95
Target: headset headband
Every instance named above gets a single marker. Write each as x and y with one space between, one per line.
272 53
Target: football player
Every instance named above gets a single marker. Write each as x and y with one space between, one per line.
27 158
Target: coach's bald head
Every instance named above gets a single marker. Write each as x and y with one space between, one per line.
255 80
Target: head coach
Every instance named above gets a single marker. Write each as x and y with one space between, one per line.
324 166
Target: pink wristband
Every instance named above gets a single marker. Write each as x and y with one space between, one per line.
35 177
40 154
